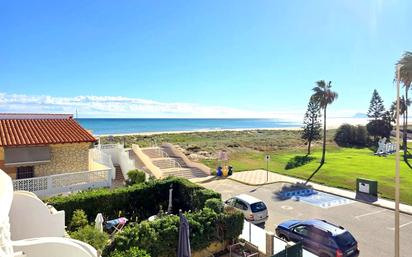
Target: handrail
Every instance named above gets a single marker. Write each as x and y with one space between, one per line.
188 163
147 161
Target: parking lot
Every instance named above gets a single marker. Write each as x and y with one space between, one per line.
372 226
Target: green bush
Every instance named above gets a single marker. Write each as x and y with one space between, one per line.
92 236
136 177
160 237
132 252
215 204
348 135
136 202
79 220
298 161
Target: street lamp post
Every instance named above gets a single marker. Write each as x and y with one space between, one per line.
397 234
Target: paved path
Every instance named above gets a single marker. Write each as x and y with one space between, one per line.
260 177
372 226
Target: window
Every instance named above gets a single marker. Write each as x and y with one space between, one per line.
230 202
240 205
301 230
25 172
257 207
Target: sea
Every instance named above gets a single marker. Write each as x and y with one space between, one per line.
113 126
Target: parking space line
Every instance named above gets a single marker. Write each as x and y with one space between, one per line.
369 213
403 225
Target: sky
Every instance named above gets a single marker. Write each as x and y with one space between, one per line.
210 58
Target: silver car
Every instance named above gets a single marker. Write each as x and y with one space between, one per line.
255 210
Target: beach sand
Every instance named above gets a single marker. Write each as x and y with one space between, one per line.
332 123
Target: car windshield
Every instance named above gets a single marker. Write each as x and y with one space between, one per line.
257 207
345 239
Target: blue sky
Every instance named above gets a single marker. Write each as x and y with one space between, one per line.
197 58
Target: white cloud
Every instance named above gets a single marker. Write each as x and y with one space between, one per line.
126 107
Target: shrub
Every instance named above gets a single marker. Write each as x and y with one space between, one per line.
136 177
137 202
79 220
298 161
92 236
215 204
349 135
132 252
160 237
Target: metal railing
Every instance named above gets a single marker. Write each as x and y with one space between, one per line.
63 183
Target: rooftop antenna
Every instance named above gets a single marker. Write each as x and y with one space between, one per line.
77 115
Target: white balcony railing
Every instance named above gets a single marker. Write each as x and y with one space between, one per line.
63 183
97 155
119 156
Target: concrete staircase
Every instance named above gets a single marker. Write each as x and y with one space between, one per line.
169 165
119 181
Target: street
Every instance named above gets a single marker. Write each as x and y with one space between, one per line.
373 227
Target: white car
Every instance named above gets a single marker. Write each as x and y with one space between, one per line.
255 210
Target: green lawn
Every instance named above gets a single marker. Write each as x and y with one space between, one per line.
342 167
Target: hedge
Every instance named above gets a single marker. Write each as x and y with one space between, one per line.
132 252
160 237
136 202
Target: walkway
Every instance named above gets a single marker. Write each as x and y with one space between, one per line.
259 177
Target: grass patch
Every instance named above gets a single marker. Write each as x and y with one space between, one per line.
342 167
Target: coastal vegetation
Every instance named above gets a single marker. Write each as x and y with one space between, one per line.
247 150
311 124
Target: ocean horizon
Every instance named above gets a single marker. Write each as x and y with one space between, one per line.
112 126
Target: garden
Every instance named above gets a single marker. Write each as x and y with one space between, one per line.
210 223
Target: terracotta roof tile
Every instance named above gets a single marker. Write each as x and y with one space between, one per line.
18 132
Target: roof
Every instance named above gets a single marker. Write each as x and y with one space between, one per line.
324 225
248 198
23 116
41 129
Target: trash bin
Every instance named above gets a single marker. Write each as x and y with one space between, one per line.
230 171
225 171
219 171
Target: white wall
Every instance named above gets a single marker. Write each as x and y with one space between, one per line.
6 197
54 247
30 218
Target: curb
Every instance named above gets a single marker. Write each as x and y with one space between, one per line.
320 190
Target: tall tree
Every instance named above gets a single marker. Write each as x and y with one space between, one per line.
405 77
312 126
324 96
376 107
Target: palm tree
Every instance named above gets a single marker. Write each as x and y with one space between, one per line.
324 96
405 77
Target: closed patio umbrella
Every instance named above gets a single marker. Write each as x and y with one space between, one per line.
99 222
184 240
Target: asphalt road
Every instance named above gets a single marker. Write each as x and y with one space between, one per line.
373 227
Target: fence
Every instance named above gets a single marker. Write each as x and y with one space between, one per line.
265 241
254 235
119 156
103 158
63 183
